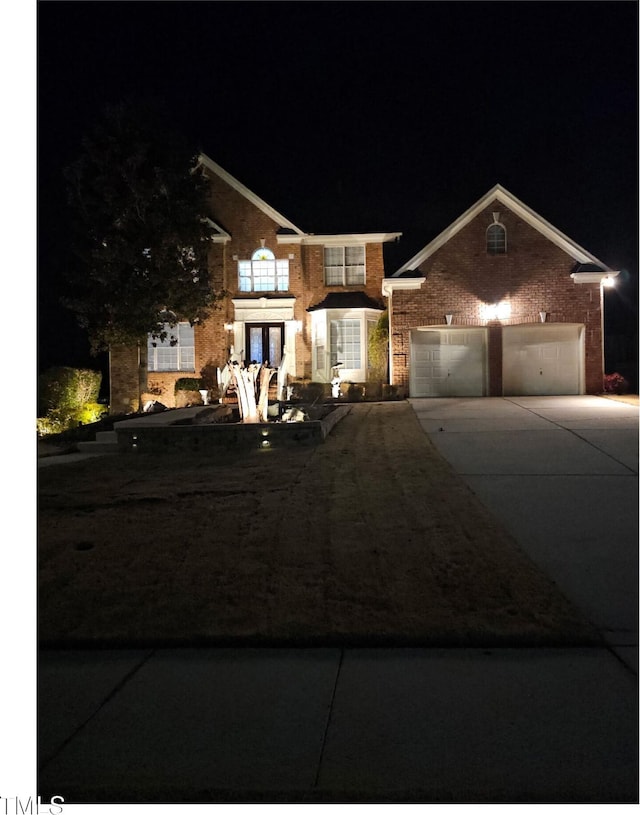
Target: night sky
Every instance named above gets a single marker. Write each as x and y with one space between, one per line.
359 116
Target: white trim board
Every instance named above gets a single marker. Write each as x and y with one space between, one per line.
499 193
268 210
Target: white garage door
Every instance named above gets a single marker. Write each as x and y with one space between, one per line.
448 362
542 360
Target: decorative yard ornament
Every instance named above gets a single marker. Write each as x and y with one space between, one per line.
335 380
252 387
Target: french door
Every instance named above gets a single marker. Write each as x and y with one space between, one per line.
264 343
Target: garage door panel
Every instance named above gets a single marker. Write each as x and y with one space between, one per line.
542 360
448 362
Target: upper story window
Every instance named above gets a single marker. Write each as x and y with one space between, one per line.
176 352
344 266
496 239
263 272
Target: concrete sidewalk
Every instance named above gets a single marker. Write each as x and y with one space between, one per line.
420 725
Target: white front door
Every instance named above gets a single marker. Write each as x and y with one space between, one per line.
542 360
448 362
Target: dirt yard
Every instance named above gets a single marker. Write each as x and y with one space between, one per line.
368 538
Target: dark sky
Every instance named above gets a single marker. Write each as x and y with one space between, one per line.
363 116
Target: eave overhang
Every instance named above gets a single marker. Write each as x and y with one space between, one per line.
348 239
391 284
593 277
221 236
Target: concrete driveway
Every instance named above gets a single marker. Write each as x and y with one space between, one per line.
561 473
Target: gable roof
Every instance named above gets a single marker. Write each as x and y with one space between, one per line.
283 223
499 193
288 231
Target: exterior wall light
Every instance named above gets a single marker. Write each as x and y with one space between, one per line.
608 282
448 318
496 311
543 316
228 326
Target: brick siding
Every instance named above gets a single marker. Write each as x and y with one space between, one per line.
248 225
533 276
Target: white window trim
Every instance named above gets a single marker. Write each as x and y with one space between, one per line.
181 350
344 247
504 232
321 336
257 266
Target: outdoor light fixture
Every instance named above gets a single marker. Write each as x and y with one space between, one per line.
608 282
496 311
228 326
543 316
448 318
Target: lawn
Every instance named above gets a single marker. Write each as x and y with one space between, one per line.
369 538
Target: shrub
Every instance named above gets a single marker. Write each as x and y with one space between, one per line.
60 420
378 345
308 392
90 412
67 389
56 421
355 393
188 383
615 383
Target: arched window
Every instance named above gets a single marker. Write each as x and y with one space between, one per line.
263 254
496 240
263 272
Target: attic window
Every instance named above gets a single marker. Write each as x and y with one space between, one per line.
496 240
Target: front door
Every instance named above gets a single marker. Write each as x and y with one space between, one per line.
264 343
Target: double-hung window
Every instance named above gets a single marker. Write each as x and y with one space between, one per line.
263 272
344 336
176 352
344 266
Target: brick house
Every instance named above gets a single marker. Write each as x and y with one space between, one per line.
499 303
300 301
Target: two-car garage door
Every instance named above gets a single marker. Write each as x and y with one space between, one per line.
537 359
